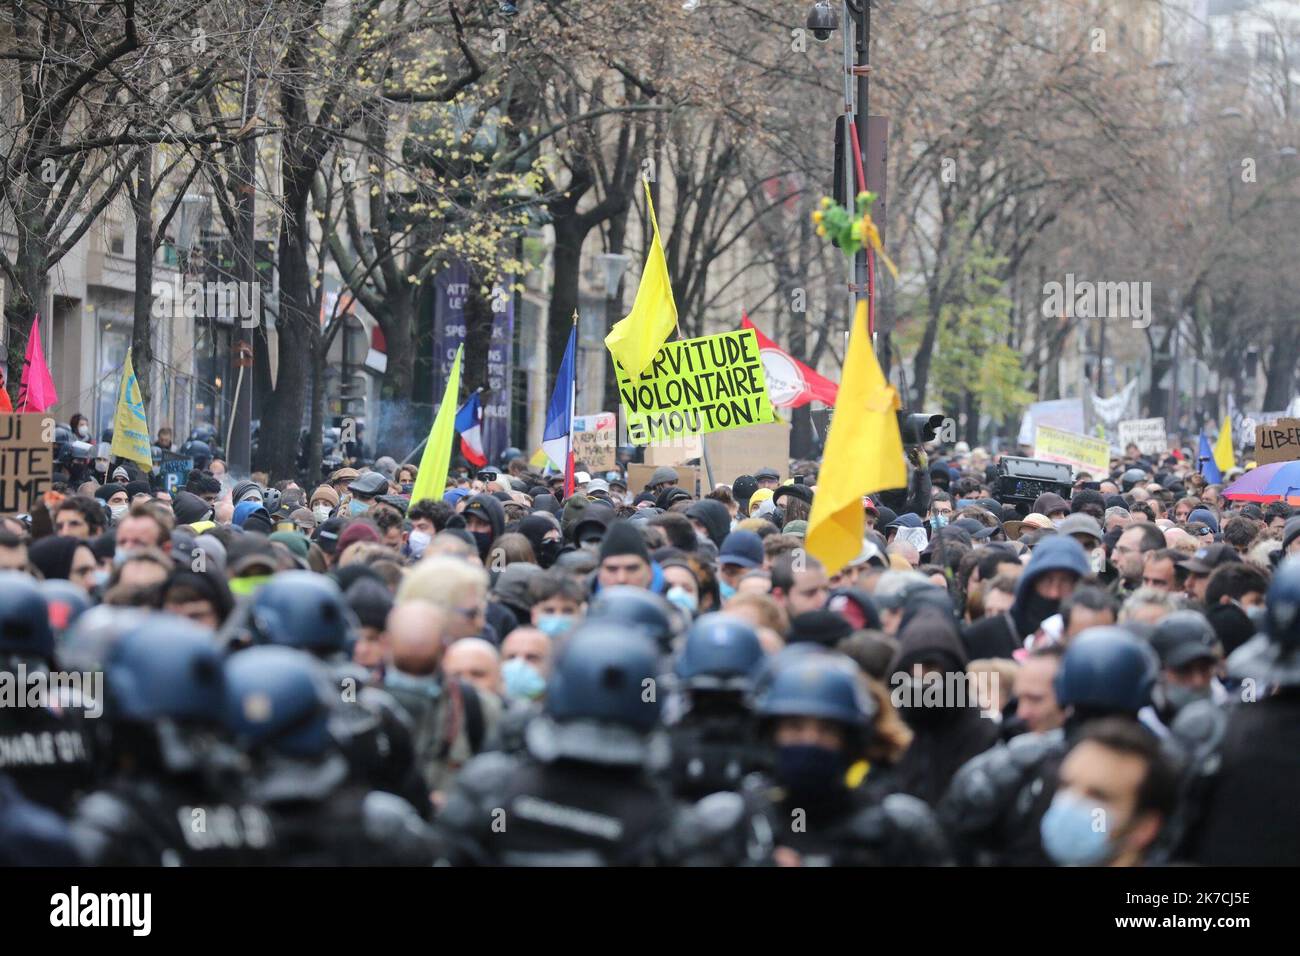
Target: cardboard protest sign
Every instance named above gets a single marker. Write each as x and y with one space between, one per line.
594 437
694 386
1147 433
674 451
745 450
688 478
1083 453
1278 441
26 461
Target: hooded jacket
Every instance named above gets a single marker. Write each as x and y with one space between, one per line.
945 736
52 555
189 508
535 528
714 516
487 507
1002 635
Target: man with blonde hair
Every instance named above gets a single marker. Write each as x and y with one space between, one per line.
456 587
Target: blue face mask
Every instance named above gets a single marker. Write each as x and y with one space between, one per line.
725 590
938 521
522 679
683 598
554 625
358 507
1072 832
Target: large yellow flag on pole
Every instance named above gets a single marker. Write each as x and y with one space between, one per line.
431 480
634 340
864 453
130 428
1223 456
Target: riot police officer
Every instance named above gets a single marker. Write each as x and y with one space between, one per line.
815 716
46 746
584 793
636 608
279 710
715 744
175 794
1242 806
30 834
309 612
996 801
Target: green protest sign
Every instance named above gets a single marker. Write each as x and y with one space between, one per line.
696 386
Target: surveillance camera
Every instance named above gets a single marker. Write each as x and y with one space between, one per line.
822 20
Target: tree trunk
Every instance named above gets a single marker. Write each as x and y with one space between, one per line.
25 298
569 236
142 330
315 445
298 330
399 334
1281 369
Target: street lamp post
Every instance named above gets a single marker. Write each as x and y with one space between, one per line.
822 21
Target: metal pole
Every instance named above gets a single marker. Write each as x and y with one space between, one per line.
863 73
850 183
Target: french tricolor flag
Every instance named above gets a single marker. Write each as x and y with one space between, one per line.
557 437
469 422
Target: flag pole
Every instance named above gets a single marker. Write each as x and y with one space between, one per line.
573 399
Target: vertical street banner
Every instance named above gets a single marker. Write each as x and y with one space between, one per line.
695 386
500 365
26 461
451 288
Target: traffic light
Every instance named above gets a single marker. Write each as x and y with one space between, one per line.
918 428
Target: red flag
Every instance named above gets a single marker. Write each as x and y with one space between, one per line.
6 406
36 390
790 383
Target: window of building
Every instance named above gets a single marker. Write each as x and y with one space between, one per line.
1266 47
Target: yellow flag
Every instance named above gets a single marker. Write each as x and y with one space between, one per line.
431 479
1223 456
864 453
130 428
634 340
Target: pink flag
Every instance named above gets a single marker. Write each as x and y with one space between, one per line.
36 389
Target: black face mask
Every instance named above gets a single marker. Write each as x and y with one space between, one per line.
1033 610
550 551
484 541
808 770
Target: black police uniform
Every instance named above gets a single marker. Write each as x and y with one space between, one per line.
30 834
48 751
515 810
321 818
848 827
172 821
715 746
